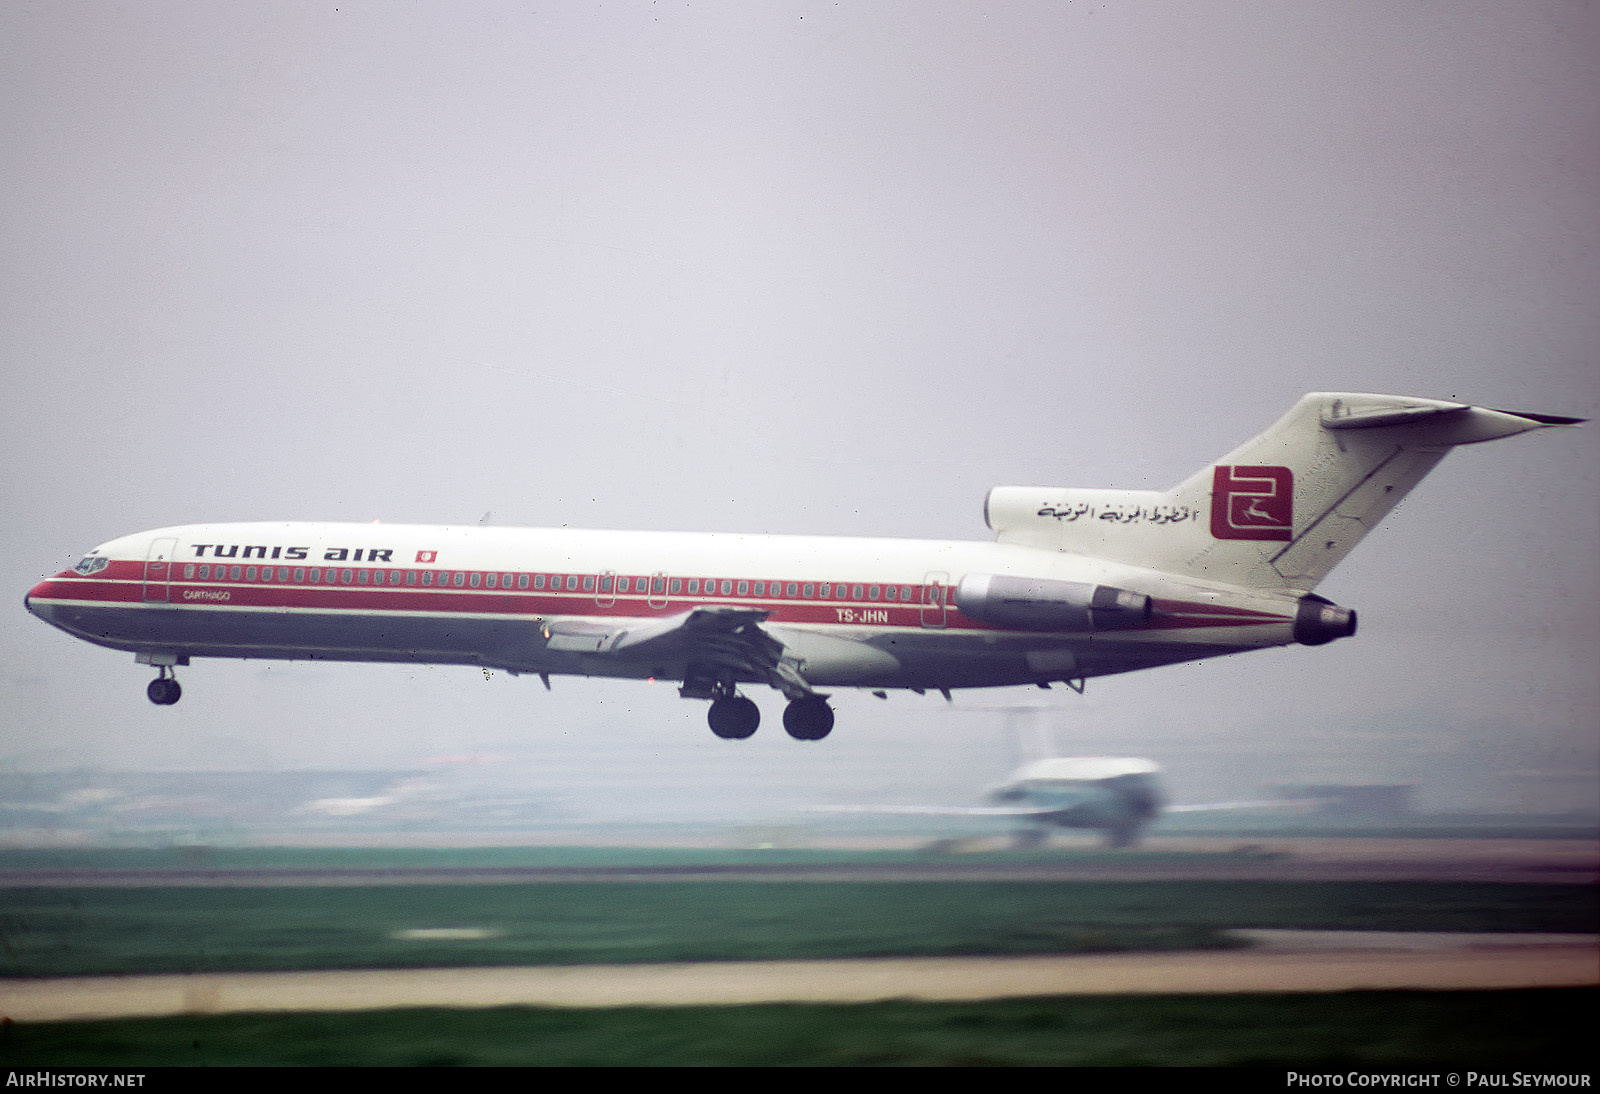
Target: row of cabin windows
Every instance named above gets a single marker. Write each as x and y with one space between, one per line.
316 575
642 586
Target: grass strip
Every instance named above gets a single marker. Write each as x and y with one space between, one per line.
1543 1030
87 931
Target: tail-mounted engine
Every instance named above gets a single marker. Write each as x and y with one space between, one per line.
1037 604
1319 620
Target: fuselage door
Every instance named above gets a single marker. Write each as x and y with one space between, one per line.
935 590
605 590
158 569
658 590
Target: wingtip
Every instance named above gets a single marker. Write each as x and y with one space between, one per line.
1543 419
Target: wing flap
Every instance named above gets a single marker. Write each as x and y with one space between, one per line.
725 637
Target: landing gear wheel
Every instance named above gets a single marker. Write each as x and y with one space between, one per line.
735 718
808 719
164 691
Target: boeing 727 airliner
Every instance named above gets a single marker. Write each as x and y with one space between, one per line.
1077 583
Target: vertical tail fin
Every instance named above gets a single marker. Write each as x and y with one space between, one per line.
1278 512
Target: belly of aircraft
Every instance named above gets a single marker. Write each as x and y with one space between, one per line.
827 656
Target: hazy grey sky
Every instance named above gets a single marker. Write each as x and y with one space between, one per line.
814 268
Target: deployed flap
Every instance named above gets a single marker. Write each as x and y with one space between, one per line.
639 635
726 637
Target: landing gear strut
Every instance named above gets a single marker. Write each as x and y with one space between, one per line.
734 717
808 718
164 690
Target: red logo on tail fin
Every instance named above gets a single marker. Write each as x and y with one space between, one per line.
1251 502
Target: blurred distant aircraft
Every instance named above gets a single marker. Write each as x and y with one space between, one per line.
1117 795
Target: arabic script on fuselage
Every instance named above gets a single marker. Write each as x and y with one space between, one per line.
1122 514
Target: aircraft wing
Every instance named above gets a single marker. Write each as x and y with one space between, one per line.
722 636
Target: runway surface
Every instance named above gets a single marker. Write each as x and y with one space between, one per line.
1282 961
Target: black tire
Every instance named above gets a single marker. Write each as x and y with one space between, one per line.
808 719
163 692
734 719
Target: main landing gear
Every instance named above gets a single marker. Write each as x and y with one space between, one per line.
808 718
164 690
735 717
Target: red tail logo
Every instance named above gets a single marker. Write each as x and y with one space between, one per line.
1249 502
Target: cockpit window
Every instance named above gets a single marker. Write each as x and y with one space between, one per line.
91 564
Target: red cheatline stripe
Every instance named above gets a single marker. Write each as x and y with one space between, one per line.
412 600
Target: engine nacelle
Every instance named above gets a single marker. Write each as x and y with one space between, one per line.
1039 604
1318 621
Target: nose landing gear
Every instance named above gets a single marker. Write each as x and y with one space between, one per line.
164 690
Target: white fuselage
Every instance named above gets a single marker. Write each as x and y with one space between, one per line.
849 612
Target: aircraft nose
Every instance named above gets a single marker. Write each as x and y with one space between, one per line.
33 600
